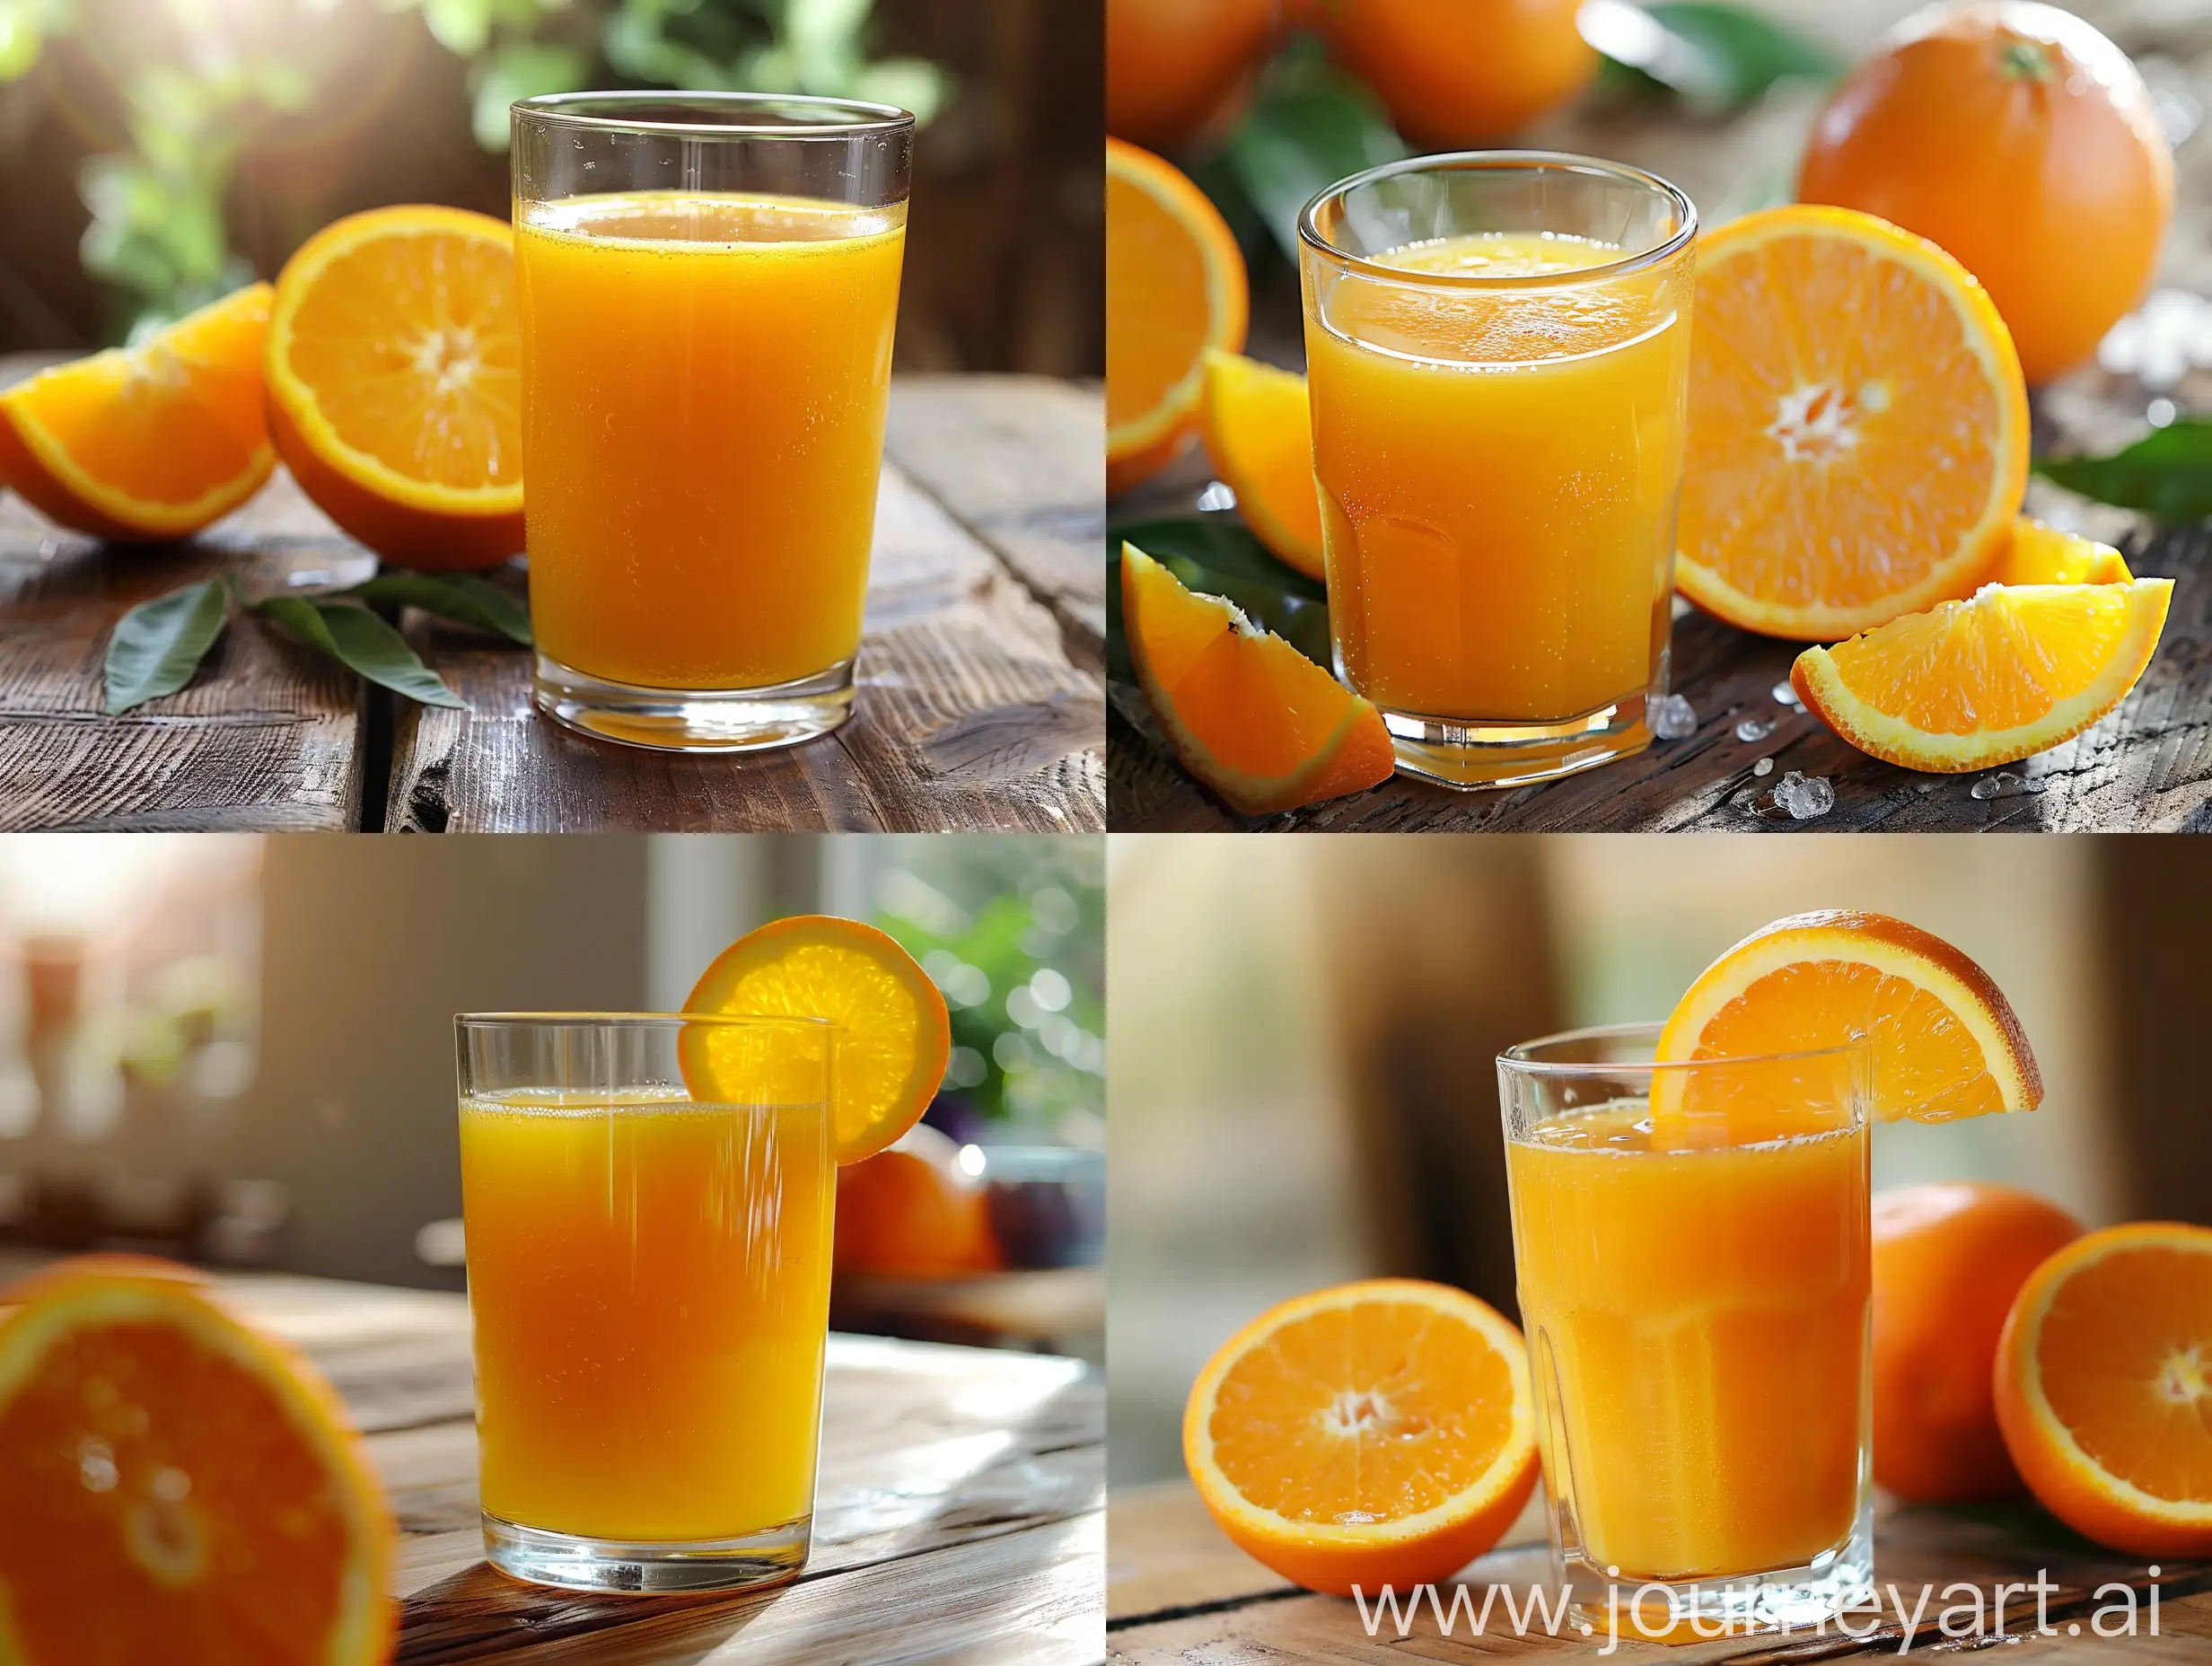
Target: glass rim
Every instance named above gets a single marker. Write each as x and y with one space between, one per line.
1311 236
842 118
1521 1057
642 1020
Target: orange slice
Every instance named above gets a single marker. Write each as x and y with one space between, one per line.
1379 1433
180 1487
1260 433
2043 554
138 444
1176 286
1972 684
395 356
894 1036
1248 713
2104 1386
1944 1039
1858 428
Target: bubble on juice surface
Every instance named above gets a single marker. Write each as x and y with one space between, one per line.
1673 718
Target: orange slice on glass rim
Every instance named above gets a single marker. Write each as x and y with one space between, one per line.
140 445
1259 432
1379 1433
894 1036
1858 429
176 1482
395 383
1943 1041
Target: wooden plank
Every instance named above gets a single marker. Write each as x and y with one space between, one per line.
270 736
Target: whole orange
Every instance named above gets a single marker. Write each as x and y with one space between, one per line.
1456 73
1948 1259
910 1212
1172 66
2024 142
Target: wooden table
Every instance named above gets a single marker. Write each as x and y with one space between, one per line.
1177 1591
981 704
961 1512
2148 766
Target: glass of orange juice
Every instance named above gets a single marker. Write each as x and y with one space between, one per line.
707 284
1497 348
649 1288
1691 1243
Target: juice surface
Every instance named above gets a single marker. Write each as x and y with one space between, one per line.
649 1281
704 382
1698 1336
1499 471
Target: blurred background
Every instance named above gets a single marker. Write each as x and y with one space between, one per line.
156 154
1304 1036
239 1050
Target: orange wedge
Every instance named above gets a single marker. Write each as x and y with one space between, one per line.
1944 1039
180 1487
1972 684
1248 713
1858 428
1260 433
894 1036
2104 1387
2043 554
1379 1433
1175 286
140 445
395 375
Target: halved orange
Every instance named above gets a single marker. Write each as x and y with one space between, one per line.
1247 714
1858 429
2043 554
1944 1041
894 1035
1378 1432
395 383
1175 286
1259 431
1968 685
140 444
181 1488
2104 1387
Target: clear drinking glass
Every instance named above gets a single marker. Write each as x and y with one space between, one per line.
707 284
647 1203
1497 346
1692 1246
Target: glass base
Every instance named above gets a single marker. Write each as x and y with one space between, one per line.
576 1564
1790 1598
693 719
1468 757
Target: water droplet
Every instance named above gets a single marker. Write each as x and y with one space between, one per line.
172 1486
1218 496
1785 693
1673 718
2004 783
1750 731
1764 767
96 1467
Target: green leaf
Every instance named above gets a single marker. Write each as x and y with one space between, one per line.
2167 473
1707 51
1218 557
1311 125
463 598
158 644
358 639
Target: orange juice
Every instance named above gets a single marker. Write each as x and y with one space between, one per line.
1498 470
649 1282
1697 1323
704 387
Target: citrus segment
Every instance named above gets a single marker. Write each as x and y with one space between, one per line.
1260 433
1175 286
893 1034
395 359
1944 1040
1858 430
1376 1433
180 1489
2043 554
2103 1385
1248 713
148 442
1968 685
